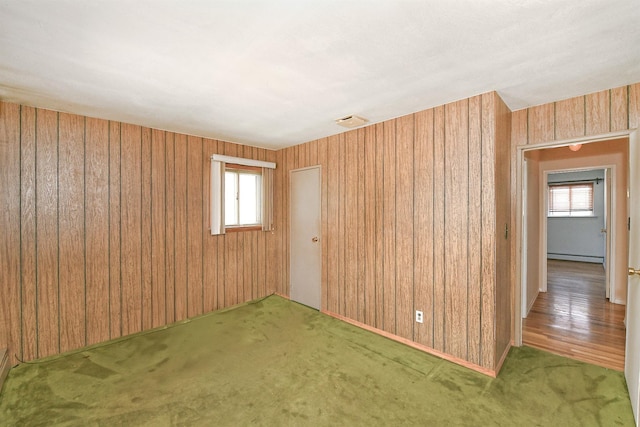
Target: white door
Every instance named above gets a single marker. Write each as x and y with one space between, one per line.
632 356
305 232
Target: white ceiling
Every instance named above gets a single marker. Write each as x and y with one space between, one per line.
278 73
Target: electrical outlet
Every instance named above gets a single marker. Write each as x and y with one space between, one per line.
419 316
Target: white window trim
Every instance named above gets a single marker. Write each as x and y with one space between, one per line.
242 161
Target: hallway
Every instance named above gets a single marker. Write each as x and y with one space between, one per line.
574 319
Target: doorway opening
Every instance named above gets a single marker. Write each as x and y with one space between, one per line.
563 306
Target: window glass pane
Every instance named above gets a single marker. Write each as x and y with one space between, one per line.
571 200
230 198
249 198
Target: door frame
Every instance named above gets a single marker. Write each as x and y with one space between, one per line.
520 239
610 200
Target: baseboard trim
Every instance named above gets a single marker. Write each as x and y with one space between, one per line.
489 372
4 366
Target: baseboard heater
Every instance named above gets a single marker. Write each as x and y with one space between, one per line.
575 257
4 366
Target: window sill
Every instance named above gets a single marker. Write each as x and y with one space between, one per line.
247 228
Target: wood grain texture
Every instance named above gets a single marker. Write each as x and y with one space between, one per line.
474 266
209 243
634 106
503 321
350 234
47 222
619 109
195 231
369 210
574 319
541 124
342 224
597 113
231 253
115 232
570 118
333 231
439 223
170 227
456 231
146 226
519 133
361 252
96 229
131 232
158 228
489 233
404 292
10 326
71 232
423 226
181 228
323 161
389 229
28 236
379 214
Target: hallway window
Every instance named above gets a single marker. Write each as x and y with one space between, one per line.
571 199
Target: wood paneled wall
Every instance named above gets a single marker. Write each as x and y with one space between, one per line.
594 114
105 232
412 219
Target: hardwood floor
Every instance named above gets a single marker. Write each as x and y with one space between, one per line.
574 318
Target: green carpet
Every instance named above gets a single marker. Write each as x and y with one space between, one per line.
277 363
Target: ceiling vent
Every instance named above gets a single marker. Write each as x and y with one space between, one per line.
351 121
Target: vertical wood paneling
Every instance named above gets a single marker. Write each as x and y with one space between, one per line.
158 228
439 223
474 229
634 106
109 231
619 109
597 113
488 232
519 127
115 232
379 223
333 230
369 211
10 328
131 216
47 223
423 226
231 253
275 269
342 199
146 231
28 235
291 162
350 235
404 226
322 160
456 232
170 227
71 231
570 118
194 226
181 236
361 251
389 204
210 243
541 124
97 229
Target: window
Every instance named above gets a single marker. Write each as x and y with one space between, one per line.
241 194
571 199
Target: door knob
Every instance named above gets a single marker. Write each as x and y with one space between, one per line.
633 271
314 240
